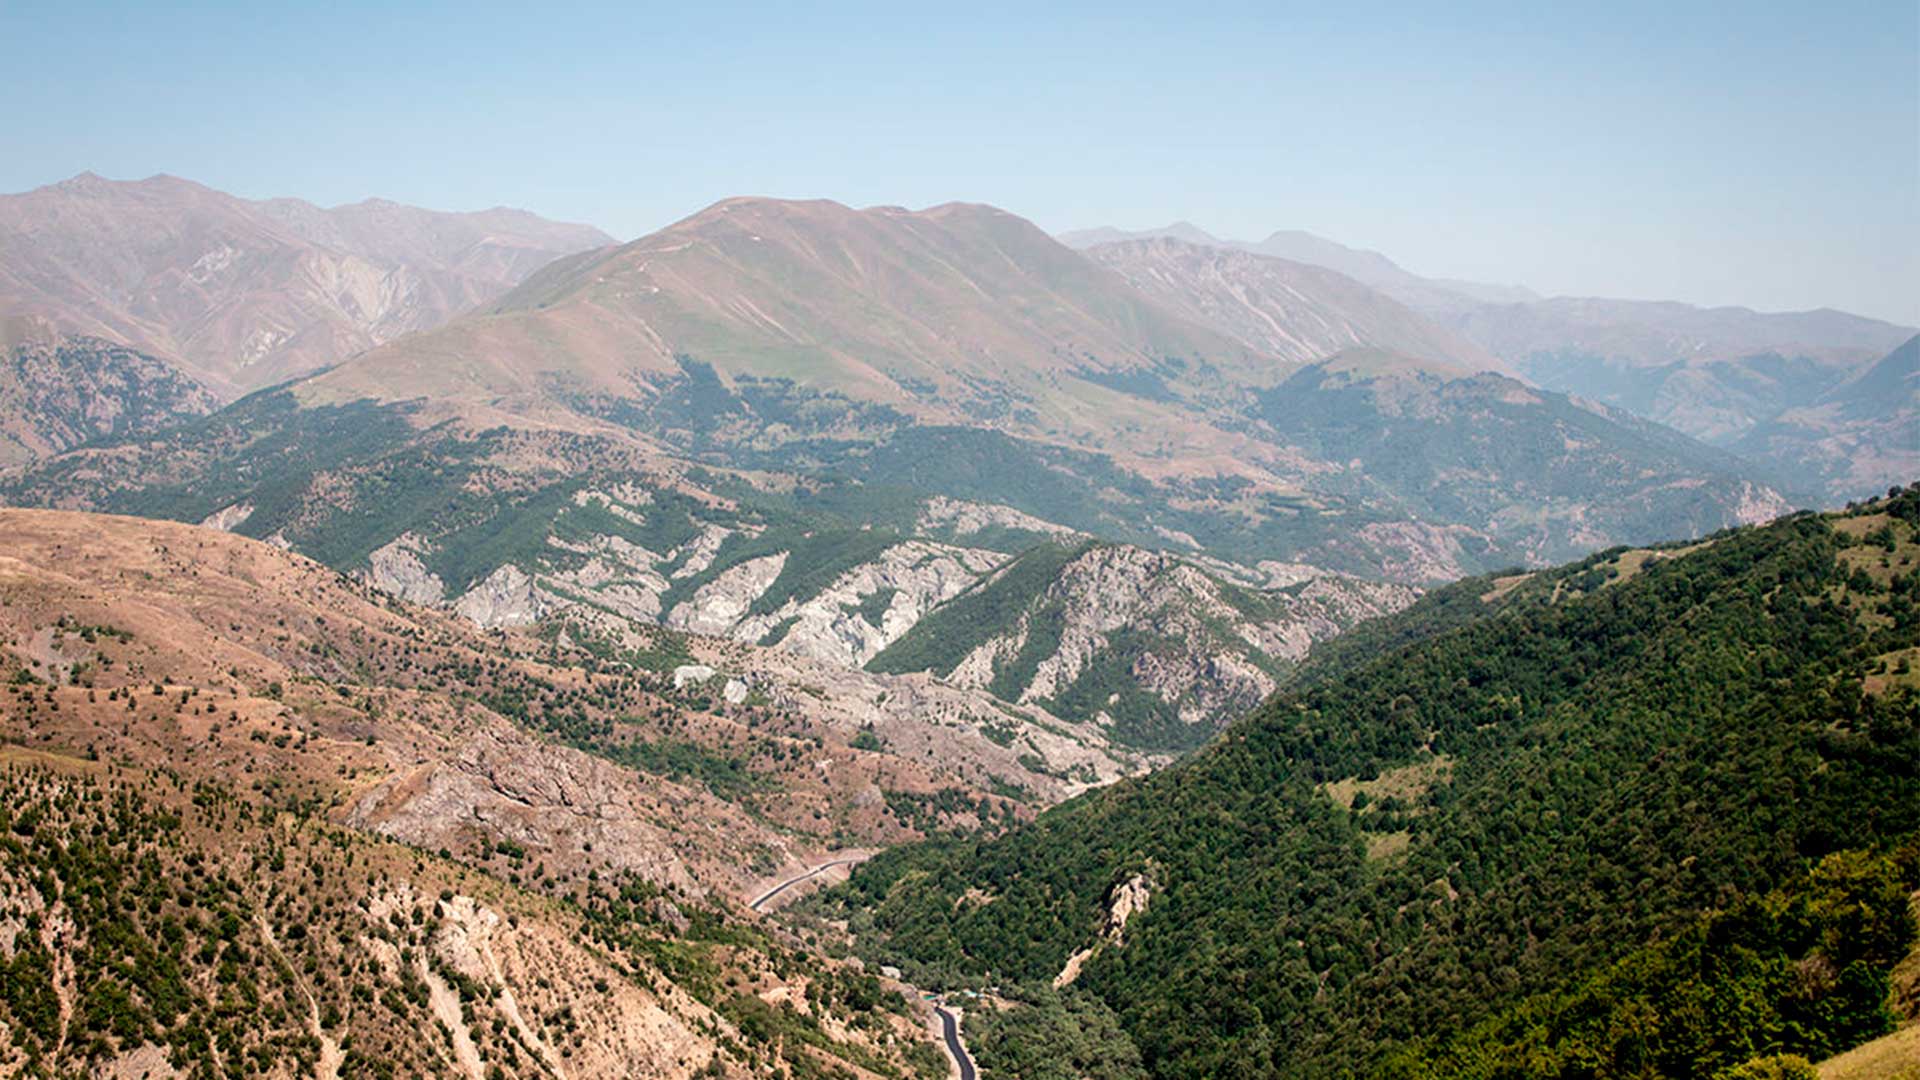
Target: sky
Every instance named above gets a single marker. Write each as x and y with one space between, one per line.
1727 153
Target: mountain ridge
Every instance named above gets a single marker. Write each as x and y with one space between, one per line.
261 820
244 293
1493 793
961 352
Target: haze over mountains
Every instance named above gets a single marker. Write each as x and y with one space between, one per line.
356 558
769 334
242 294
1289 309
1294 245
1714 373
801 425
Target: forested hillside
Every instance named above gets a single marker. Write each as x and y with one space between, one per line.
1538 775
1805 966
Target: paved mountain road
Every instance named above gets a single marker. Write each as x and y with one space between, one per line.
759 902
949 1022
950 1031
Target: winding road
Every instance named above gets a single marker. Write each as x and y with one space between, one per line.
949 1022
950 1031
758 902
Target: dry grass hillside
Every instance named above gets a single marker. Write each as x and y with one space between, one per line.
261 821
705 765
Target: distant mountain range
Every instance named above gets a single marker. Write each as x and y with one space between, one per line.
423 637
1369 267
1856 437
843 434
1723 375
243 294
961 352
1286 308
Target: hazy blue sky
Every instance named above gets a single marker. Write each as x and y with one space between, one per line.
1719 153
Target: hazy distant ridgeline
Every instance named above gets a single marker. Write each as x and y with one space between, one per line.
1761 384
244 294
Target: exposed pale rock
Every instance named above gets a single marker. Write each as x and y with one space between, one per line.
1213 655
719 604
506 598
963 517
829 625
1128 898
229 518
1759 505
700 550
691 675
396 568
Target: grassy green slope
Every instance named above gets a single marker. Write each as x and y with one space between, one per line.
1595 761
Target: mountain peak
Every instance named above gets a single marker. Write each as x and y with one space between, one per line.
1368 362
151 261
768 204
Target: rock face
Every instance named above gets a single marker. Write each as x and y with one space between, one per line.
691 675
57 391
228 518
722 604
853 617
506 598
963 518
977 736
1149 646
1127 899
395 568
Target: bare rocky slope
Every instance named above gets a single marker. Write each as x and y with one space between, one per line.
1153 649
1291 310
243 294
582 739
829 599
59 391
262 821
